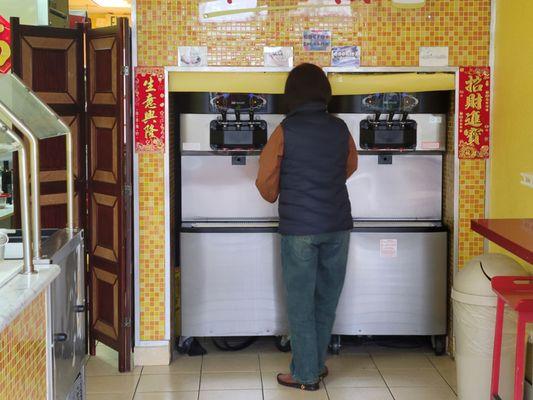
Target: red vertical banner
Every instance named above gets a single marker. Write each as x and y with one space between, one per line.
149 110
474 112
5 46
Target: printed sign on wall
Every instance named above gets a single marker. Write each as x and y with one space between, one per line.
317 40
346 56
278 57
149 110
5 45
474 112
192 56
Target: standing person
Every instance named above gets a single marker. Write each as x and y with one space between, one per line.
306 162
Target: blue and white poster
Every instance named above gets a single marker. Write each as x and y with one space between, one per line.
346 56
317 40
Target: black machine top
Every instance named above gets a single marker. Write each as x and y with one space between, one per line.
385 103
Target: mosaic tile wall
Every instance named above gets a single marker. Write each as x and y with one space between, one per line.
471 205
387 36
23 355
152 246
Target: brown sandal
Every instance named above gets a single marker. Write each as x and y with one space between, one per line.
297 385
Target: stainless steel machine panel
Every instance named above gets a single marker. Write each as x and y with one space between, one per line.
410 188
431 129
68 310
212 187
231 283
395 284
195 128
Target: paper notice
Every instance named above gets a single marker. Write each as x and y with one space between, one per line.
388 248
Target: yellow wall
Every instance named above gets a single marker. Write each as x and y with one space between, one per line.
512 133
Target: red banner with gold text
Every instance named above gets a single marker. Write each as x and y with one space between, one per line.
474 112
5 45
149 110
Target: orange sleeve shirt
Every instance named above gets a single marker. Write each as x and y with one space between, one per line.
268 176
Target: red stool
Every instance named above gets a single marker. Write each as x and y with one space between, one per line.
517 293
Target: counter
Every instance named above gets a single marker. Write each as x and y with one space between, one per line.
20 290
514 235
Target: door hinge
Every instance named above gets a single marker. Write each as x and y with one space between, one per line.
127 323
128 190
125 70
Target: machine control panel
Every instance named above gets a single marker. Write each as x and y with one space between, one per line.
230 131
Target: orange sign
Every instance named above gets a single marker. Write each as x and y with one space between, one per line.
149 109
474 112
5 45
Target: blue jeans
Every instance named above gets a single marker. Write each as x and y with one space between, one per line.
314 268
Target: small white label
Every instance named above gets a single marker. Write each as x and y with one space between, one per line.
431 145
192 56
278 56
388 248
191 146
433 57
435 119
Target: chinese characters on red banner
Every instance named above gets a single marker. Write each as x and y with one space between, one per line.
5 46
149 110
474 112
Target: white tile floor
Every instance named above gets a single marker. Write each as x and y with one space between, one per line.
364 372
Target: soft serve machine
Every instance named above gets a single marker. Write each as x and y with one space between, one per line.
229 247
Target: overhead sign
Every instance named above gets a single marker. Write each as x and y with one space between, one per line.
5 45
474 112
149 110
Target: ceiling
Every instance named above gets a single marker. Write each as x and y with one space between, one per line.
93 8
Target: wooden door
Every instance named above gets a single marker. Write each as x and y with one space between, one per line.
50 61
109 188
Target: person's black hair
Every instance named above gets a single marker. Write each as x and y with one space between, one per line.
306 83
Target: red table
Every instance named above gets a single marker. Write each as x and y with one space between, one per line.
514 235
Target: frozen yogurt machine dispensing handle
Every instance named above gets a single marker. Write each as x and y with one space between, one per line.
36 121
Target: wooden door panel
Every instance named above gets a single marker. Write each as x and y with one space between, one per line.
105 293
109 145
104 64
104 153
105 226
50 61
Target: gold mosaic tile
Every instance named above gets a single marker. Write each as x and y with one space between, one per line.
387 36
23 355
151 246
471 206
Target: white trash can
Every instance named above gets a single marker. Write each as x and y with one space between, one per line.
474 316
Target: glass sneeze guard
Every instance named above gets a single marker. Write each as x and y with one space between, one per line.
29 109
36 121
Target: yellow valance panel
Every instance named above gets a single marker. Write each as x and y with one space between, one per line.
346 84
342 83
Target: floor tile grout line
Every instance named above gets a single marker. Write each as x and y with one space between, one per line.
200 378
137 384
442 376
382 377
261 376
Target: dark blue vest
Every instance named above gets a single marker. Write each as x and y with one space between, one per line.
313 197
